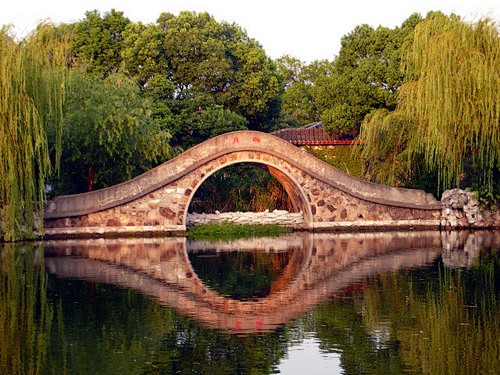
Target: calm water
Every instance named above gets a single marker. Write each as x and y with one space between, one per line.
381 303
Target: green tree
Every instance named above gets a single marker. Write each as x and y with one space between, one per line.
195 46
366 76
298 95
195 126
109 135
192 61
143 55
96 41
448 115
32 83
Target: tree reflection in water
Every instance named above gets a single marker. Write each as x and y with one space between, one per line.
241 275
427 318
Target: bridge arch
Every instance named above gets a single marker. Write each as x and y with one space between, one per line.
295 191
157 201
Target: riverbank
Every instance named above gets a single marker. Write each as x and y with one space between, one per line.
227 230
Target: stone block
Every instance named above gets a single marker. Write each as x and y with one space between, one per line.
167 212
331 208
153 204
113 223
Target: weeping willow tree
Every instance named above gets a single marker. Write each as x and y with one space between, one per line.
32 78
447 119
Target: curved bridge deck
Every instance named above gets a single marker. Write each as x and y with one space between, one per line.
158 200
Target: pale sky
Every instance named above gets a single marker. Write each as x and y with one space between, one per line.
308 30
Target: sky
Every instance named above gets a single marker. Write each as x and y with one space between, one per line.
308 29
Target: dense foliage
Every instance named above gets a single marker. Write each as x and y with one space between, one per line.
447 120
32 81
189 64
96 42
202 77
364 77
299 80
108 136
240 187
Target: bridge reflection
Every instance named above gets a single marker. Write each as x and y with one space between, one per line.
319 266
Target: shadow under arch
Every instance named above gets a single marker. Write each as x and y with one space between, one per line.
160 268
292 187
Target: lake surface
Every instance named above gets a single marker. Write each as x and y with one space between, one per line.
366 303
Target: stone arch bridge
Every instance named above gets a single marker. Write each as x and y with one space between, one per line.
157 201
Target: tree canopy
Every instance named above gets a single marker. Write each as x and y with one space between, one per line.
204 63
109 135
199 78
366 76
299 82
448 115
96 41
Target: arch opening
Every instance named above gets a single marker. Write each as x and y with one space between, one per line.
292 198
243 187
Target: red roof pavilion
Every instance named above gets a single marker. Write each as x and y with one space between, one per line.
313 135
